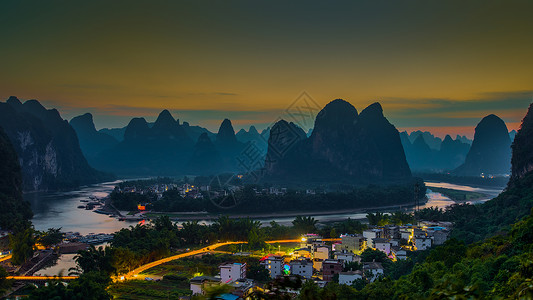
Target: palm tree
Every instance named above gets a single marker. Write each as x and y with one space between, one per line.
192 232
304 224
93 259
225 227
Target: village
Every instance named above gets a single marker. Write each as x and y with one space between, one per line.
325 261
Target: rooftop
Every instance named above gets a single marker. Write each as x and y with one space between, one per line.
229 265
201 279
301 262
357 272
381 240
343 253
332 261
372 265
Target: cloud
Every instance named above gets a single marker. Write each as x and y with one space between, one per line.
510 106
193 94
96 86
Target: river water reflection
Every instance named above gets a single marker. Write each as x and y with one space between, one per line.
59 209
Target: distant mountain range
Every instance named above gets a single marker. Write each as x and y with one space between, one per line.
47 147
343 145
424 151
447 154
429 154
168 148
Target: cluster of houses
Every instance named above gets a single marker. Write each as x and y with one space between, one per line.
396 241
316 260
185 190
283 191
323 262
199 191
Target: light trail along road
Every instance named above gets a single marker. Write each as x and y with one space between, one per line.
204 250
145 267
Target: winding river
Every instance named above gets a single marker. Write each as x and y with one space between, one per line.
59 209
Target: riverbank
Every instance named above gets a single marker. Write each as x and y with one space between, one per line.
191 216
458 195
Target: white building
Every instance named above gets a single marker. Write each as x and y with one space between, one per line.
423 242
439 235
382 245
198 284
370 235
375 268
349 277
405 234
399 252
344 256
274 265
302 267
232 272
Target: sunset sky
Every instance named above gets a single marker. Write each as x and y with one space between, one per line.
437 65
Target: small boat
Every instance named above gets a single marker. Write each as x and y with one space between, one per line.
81 206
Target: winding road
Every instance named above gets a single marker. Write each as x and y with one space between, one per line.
147 266
205 250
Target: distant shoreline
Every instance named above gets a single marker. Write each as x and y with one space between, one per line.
206 216
187 216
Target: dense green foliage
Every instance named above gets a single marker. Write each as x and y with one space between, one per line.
396 218
499 267
22 243
247 200
129 201
167 288
145 183
304 224
89 286
95 260
4 283
52 236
